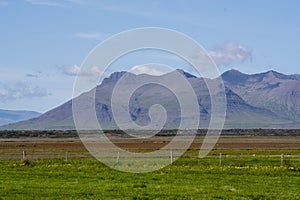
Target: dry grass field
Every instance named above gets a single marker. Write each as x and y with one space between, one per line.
12 148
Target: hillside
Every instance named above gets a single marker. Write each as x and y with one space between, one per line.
271 90
266 100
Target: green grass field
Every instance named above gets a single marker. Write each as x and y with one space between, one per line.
239 177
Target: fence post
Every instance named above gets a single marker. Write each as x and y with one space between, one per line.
24 155
66 157
171 157
220 162
118 157
282 159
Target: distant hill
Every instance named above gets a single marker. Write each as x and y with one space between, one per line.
266 100
12 116
271 90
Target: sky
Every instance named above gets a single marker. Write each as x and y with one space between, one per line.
44 42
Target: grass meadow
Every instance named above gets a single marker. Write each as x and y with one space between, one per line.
249 174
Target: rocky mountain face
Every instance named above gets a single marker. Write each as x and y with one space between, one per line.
266 100
271 90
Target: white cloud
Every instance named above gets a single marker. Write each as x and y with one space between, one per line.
149 69
20 90
74 70
71 70
228 53
96 35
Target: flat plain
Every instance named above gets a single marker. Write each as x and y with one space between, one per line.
252 167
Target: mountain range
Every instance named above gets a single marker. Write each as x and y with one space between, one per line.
12 116
264 100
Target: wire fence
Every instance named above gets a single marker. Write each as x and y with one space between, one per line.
213 159
229 151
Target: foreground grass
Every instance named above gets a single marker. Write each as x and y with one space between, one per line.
187 178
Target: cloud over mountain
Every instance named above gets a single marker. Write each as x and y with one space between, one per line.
74 70
20 90
227 54
230 53
147 69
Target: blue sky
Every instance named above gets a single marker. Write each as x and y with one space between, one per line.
44 42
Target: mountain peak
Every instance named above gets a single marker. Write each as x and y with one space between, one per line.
186 74
114 77
272 73
234 76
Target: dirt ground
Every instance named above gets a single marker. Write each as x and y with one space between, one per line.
58 148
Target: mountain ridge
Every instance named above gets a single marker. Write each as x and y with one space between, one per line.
242 92
271 90
12 116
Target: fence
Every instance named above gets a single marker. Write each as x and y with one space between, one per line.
214 159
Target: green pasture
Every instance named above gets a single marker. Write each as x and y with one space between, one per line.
242 176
